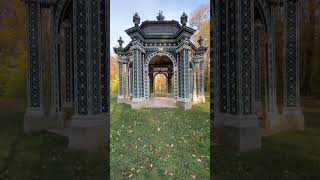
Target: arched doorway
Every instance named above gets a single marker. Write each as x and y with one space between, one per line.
160 85
161 74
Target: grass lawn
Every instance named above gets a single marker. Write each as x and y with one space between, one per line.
160 143
42 155
284 156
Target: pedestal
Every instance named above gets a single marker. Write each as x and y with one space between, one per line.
55 119
293 118
273 120
68 112
127 100
138 103
194 98
202 99
34 120
184 103
240 132
121 99
259 108
88 131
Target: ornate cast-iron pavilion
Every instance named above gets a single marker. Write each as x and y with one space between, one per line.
242 54
243 70
78 71
161 47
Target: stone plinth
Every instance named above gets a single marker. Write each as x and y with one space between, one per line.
34 120
138 103
185 104
240 132
293 118
68 112
56 119
121 99
202 99
88 131
273 120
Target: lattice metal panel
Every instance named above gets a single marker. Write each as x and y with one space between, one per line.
34 64
104 53
68 64
233 56
95 56
80 16
246 56
291 53
223 81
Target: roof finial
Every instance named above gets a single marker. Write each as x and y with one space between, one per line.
160 17
136 19
120 41
200 41
184 19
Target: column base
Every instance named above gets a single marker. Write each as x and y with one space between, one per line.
88 131
67 105
259 108
56 119
127 100
68 112
121 99
240 132
273 120
201 99
293 118
194 97
185 103
34 120
138 103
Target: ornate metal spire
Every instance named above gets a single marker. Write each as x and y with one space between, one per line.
160 17
120 41
184 19
136 19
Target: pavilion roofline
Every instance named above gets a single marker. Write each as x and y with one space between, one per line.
138 29
121 50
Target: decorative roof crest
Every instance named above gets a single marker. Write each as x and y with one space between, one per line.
136 19
160 16
184 19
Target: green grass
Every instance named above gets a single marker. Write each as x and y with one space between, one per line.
136 143
42 155
284 156
159 143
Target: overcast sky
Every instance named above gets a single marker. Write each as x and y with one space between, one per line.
122 12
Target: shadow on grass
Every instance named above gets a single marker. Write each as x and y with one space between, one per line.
43 155
284 156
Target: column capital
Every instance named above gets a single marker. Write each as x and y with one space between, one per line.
183 45
137 45
124 59
197 58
